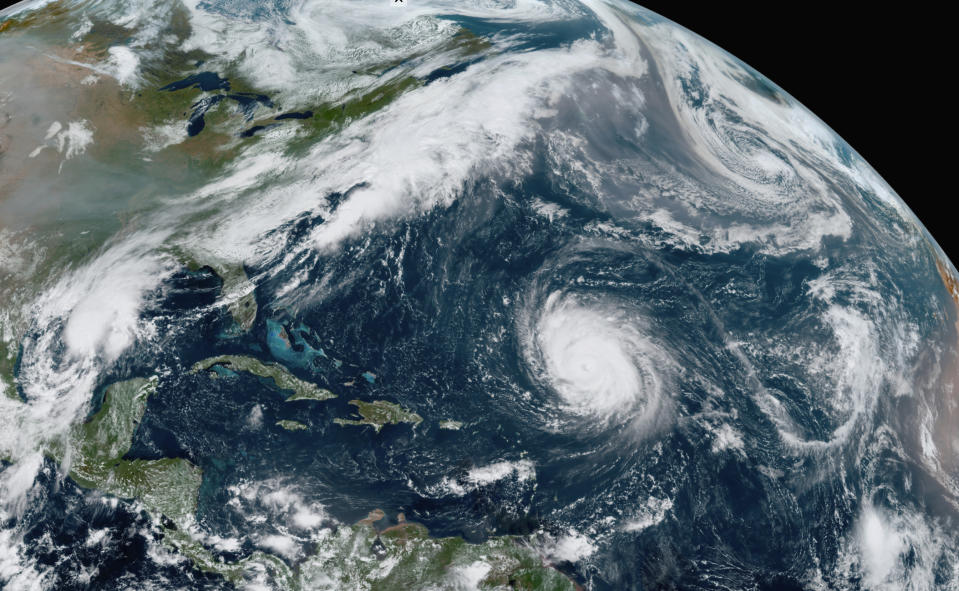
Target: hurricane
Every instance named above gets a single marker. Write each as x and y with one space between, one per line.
595 358
532 294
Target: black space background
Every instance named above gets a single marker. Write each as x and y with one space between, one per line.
878 77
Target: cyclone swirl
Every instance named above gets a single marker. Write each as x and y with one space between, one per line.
547 293
593 356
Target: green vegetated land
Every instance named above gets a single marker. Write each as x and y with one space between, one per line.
358 556
378 413
281 376
167 487
355 556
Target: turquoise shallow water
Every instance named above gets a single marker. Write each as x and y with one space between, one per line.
686 336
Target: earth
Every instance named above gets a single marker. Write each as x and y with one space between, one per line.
505 294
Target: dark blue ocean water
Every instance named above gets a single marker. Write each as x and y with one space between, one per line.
429 313
424 324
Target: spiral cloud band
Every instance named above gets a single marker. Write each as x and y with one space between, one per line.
593 356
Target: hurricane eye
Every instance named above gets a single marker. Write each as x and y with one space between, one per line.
594 360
